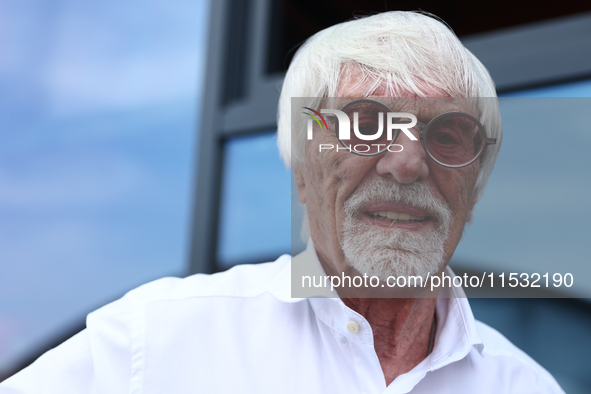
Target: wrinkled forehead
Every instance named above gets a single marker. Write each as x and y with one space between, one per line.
421 107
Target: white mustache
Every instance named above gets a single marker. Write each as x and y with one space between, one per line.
416 194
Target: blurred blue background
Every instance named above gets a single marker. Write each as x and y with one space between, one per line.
98 112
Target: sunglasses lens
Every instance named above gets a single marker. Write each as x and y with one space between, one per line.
454 139
367 127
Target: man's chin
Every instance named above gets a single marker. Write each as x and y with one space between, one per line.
392 263
392 253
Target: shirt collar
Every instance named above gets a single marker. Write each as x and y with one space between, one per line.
306 262
456 327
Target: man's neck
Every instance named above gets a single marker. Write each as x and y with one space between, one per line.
401 329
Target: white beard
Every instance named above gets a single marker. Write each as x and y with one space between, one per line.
380 252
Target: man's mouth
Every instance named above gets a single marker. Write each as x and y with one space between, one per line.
397 217
396 208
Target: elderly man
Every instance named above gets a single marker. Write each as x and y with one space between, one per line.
378 211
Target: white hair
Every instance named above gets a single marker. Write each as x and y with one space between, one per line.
409 52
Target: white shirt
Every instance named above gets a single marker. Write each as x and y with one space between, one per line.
241 332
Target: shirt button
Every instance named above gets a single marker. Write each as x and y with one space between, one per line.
353 327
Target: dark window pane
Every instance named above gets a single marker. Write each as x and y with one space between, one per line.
293 21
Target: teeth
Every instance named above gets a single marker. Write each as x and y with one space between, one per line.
394 215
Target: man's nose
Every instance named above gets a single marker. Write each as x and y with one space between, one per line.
406 166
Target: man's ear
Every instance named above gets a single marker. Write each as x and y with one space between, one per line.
469 215
300 182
